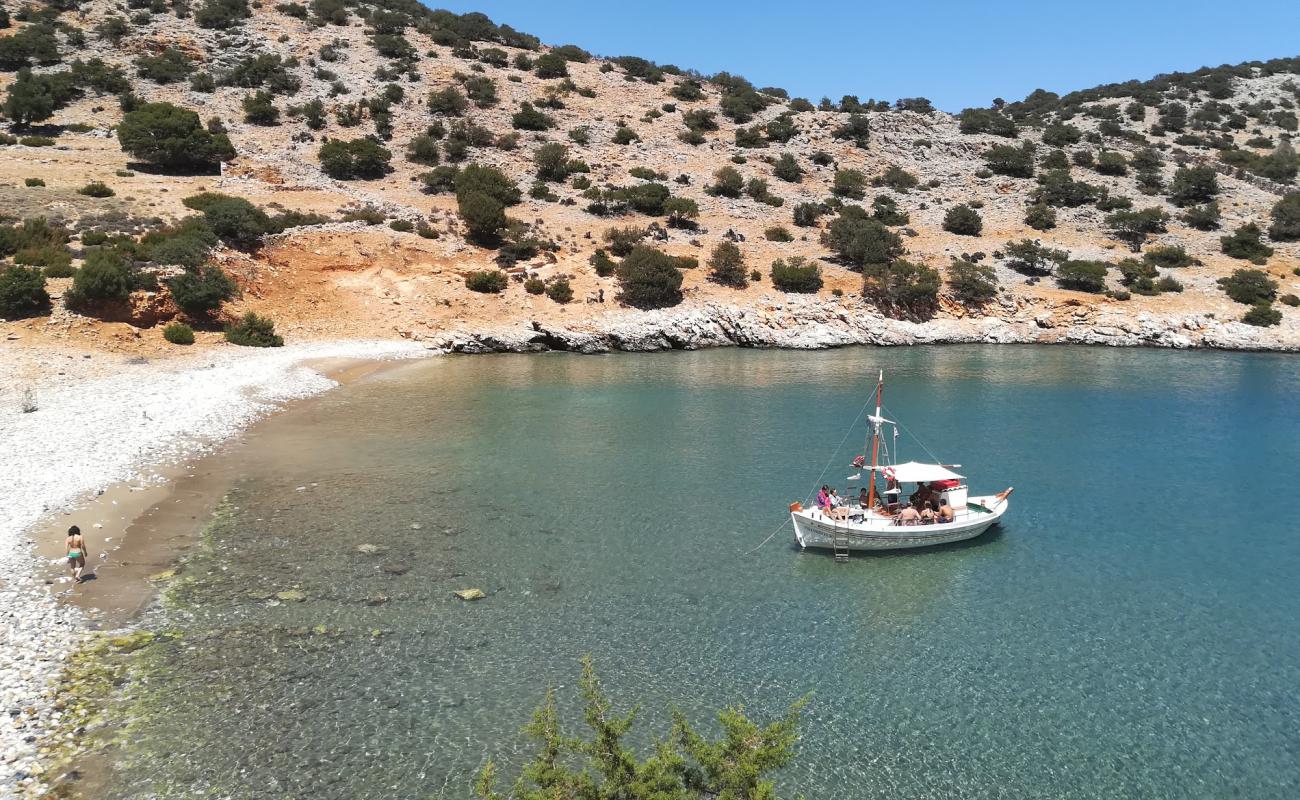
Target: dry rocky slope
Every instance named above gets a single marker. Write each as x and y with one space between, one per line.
351 279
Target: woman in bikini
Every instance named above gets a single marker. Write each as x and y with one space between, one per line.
76 547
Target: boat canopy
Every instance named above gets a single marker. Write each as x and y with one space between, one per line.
915 472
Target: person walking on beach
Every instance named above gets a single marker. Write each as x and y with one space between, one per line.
76 546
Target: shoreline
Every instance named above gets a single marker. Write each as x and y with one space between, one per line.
126 423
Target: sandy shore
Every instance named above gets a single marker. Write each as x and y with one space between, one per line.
101 421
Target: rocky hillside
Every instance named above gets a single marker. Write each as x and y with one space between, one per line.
383 169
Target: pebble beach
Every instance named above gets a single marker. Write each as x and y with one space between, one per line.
73 424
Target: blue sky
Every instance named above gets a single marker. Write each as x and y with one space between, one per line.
956 53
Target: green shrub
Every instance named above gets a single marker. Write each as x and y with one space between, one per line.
1290 300
253 330
551 65
1133 227
602 263
172 138
849 183
1169 257
169 66
1245 243
357 158
187 244
861 240
1168 284
902 284
259 109
649 278
234 220
1061 135
48 255
896 178
1111 162
222 14
488 281
484 216
560 290
1203 218
37 141
1262 315
199 293
96 189
986 120
448 101
1015 162
178 333
59 270
487 180
625 135
1082 276
727 265
885 211
857 129
1249 286
972 284
727 182
534 285
1193 186
1286 219
423 149
91 238
528 118
104 277
787 168
963 221
796 275
552 160
33 182
22 292
778 233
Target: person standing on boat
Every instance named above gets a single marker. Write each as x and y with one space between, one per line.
76 547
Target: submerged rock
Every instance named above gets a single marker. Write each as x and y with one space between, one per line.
291 596
470 594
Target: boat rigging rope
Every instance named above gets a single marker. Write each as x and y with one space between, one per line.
817 482
915 438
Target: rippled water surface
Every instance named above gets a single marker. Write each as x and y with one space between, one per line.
1132 630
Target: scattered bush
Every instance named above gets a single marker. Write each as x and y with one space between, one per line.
178 333
1203 218
201 292
1286 219
528 118
727 265
1029 257
448 101
222 14
787 168
796 275
1082 276
963 221
902 284
1193 186
1111 162
22 292
849 183
896 178
488 281
259 109
1249 286
1040 217
1015 162
1168 257
602 263
778 233
856 129
104 277
234 220
649 278
357 158
625 135
861 240
1244 243
169 66
972 284
1061 135
253 330
1133 227
33 182
986 120
171 137
1262 315
727 182
560 290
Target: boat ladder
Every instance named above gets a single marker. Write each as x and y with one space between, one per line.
840 543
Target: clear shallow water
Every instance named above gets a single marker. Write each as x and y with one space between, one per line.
1130 631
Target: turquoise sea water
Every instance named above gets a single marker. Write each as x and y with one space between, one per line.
1132 629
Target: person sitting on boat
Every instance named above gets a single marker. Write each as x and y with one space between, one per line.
824 499
909 516
946 514
920 497
837 508
927 513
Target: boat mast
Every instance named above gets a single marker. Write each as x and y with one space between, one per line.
875 444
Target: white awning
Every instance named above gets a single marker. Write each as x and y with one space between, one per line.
914 472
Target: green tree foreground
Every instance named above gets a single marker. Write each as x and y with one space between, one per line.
683 766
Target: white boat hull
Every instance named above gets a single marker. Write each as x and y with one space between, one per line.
814 529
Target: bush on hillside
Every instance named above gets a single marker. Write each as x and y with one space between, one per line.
622 241
357 158
972 284
649 278
727 182
1111 162
1244 243
170 66
856 129
1168 256
201 292
448 101
1249 286
1082 276
104 276
1012 161
896 178
1262 315
1202 218
488 281
986 120
528 118
1193 186
1040 217
560 291
186 244
902 284
552 160
179 333
234 220
484 216
727 265
778 233
963 221
22 292
253 330
787 168
222 14
1286 219
259 109
1030 257
487 180
861 240
171 137
1133 227
796 275
849 183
